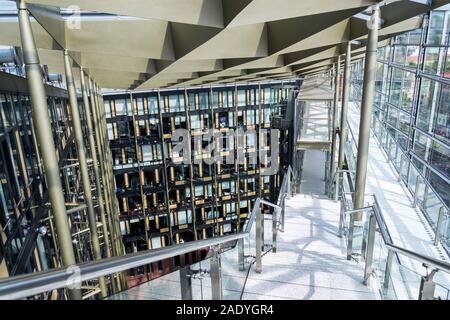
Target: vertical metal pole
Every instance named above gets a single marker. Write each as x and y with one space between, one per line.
339 178
366 110
427 286
78 131
121 279
289 186
344 111
258 241
416 191
45 138
440 222
89 116
216 276
370 248
400 169
186 283
341 220
101 152
241 254
274 229
387 271
283 213
333 127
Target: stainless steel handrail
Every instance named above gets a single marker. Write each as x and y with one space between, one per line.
384 231
27 285
35 283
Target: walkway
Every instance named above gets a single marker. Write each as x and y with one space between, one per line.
310 262
406 224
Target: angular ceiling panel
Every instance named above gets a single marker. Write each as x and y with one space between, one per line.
175 43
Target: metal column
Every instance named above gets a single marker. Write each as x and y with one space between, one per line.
370 247
215 273
45 138
102 165
88 113
333 127
259 242
366 109
186 283
109 166
344 111
78 131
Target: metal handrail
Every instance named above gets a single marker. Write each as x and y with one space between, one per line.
384 231
35 283
27 285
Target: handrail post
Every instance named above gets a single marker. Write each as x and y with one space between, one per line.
351 227
400 169
186 283
259 241
370 248
289 191
341 219
387 271
215 273
416 191
427 286
241 253
337 186
440 222
275 228
283 213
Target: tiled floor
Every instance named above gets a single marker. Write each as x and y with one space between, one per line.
310 261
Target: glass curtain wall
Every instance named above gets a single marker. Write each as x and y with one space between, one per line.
412 111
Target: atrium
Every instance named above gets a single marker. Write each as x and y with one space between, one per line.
224 150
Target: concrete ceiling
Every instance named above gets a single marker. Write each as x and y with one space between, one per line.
176 43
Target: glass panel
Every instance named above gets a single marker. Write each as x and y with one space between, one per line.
442 124
431 60
425 104
436 26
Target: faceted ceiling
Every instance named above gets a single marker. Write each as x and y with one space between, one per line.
146 44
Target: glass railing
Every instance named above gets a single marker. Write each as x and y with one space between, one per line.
425 197
215 268
369 241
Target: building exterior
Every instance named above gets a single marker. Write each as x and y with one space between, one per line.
162 202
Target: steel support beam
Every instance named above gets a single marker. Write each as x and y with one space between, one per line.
259 242
333 125
366 110
101 152
45 139
370 248
186 283
215 273
241 254
81 152
344 111
122 279
88 113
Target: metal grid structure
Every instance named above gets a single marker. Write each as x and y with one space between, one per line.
164 203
